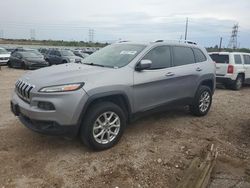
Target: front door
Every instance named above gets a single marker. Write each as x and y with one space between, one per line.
155 86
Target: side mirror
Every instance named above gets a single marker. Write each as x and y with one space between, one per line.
143 64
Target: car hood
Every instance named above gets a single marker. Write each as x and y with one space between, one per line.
4 55
64 74
72 57
34 59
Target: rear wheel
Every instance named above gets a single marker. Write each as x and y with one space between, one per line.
202 101
238 83
103 126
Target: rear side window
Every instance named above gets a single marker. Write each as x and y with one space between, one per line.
160 57
246 59
199 55
237 59
57 53
218 58
183 56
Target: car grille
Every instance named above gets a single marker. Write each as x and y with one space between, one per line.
4 58
23 90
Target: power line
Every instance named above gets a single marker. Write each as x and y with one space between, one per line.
91 35
233 43
32 34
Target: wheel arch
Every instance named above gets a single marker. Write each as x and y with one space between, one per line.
117 97
209 83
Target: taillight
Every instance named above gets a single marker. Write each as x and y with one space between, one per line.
230 69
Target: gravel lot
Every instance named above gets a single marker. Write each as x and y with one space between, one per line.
153 152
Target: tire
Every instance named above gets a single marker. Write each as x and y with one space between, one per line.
23 66
48 62
9 64
95 113
237 85
197 108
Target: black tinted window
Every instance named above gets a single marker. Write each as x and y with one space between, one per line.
199 56
57 53
18 55
160 57
246 59
237 59
183 56
218 58
51 52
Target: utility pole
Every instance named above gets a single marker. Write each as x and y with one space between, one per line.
220 43
186 29
233 43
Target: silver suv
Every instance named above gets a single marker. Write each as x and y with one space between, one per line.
96 99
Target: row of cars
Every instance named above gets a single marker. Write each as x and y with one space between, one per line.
27 58
232 68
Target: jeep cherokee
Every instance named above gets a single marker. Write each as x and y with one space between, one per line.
96 99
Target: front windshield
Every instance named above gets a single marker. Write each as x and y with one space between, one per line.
3 51
35 52
67 53
30 54
116 55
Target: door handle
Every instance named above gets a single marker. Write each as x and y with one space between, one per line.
198 69
169 74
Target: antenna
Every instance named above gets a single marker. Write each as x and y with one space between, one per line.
233 43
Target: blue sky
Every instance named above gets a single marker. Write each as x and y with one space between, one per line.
140 20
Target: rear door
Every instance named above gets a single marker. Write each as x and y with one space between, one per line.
247 67
222 61
186 71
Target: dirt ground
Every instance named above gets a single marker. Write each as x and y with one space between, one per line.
153 152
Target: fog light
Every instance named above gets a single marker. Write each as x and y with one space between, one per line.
46 106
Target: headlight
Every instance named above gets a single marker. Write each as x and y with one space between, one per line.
61 88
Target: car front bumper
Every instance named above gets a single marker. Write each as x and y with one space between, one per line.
4 62
64 120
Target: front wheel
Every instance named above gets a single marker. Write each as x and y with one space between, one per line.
202 101
103 126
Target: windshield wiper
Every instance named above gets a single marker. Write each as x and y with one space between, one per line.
93 64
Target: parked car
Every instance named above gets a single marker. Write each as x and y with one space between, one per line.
232 68
43 50
113 86
9 49
80 54
4 56
56 56
27 60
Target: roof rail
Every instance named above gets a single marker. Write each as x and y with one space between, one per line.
121 41
179 41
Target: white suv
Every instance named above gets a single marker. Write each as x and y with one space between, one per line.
232 68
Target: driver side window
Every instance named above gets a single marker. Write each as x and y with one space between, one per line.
160 57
